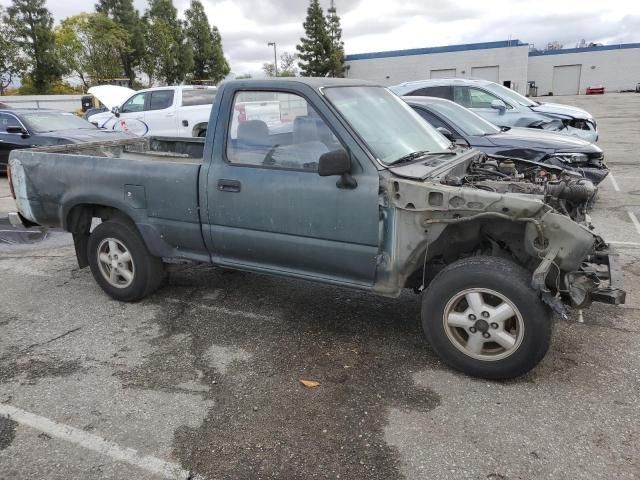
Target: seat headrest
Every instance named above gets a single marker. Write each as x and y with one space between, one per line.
253 132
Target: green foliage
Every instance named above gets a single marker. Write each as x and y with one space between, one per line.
287 66
32 24
169 55
208 58
314 48
89 47
126 16
334 30
12 62
321 51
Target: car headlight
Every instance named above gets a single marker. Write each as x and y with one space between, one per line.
572 157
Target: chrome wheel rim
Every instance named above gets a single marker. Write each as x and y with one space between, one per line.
115 263
483 324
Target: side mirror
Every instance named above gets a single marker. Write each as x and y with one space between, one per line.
19 130
116 111
337 162
447 133
499 105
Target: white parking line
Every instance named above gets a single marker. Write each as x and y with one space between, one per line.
631 244
613 182
95 443
634 220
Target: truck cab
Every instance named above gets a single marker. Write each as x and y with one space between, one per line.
341 182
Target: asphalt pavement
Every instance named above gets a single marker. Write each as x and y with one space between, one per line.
202 379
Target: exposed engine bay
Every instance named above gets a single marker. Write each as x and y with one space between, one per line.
566 191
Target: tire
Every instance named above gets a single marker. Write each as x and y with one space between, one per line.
480 296
137 273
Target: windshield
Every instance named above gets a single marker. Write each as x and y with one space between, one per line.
510 94
41 122
389 127
470 123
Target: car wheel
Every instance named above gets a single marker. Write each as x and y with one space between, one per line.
203 133
482 317
121 263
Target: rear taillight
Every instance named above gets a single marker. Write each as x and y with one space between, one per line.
13 194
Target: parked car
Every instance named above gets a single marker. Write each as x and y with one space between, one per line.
32 127
181 111
465 127
505 107
595 90
378 206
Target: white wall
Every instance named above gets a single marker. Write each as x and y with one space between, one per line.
512 62
614 69
67 103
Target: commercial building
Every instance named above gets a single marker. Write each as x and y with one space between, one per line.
508 62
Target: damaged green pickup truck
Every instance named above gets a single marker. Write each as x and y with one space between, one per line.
336 181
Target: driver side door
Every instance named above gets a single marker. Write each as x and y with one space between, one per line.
132 112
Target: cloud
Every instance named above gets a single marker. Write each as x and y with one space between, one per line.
376 25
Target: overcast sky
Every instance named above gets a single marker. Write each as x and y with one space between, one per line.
376 25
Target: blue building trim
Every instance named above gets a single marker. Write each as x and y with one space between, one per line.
600 48
425 51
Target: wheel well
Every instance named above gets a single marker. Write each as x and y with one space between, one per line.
497 238
199 128
79 220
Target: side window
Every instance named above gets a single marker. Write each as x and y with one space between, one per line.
135 103
472 97
161 99
8 121
434 121
200 96
440 92
277 130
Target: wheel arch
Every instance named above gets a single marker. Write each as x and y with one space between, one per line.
199 128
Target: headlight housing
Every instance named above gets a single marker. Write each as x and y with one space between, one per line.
572 158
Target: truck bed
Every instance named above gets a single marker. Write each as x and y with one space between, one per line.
153 179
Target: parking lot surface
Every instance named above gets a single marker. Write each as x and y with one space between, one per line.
202 379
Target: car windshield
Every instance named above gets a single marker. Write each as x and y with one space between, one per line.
470 123
42 122
389 127
510 94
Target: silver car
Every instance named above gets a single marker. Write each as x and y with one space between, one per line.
505 107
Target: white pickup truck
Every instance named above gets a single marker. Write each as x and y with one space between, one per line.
181 111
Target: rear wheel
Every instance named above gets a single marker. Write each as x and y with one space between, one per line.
482 317
121 263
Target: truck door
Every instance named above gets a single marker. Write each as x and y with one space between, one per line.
268 209
131 117
160 113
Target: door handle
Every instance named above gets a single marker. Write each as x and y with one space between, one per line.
228 185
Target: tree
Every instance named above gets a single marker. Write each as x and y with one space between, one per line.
126 16
169 55
89 47
208 57
334 30
555 45
314 48
287 66
33 27
12 62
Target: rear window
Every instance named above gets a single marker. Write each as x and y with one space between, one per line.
203 96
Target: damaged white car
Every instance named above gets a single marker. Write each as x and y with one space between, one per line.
505 107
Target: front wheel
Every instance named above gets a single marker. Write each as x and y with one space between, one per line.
482 317
121 263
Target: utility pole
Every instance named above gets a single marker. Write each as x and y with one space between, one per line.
275 58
